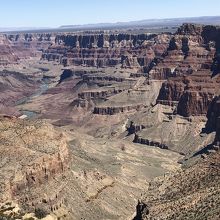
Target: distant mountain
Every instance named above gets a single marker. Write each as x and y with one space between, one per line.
18 29
148 24
214 20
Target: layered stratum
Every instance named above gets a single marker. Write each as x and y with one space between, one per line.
118 124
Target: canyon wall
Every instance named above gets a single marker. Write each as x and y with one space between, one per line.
14 47
213 115
188 61
191 67
6 52
105 110
100 50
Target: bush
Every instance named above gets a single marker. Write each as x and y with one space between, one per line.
122 147
40 213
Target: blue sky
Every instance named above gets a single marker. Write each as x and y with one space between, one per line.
53 13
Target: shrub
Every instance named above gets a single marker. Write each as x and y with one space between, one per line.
40 213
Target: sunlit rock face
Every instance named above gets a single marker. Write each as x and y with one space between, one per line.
100 50
33 155
14 47
191 65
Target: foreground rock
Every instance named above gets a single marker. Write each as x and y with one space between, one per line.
33 157
91 178
189 194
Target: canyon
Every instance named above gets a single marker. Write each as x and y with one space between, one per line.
96 123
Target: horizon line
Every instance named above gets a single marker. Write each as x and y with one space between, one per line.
108 23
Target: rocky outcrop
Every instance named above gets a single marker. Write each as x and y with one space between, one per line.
87 99
194 103
148 142
141 211
83 103
192 94
93 77
99 93
85 74
189 193
112 110
189 65
213 115
171 91
133 128
44 158
65 75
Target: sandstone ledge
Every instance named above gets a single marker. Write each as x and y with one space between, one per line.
117 109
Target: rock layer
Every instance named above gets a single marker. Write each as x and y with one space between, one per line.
190 65
99 50
15 47
102 110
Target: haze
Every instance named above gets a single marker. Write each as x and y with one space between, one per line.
53 13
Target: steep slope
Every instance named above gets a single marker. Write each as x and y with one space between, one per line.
192 193
13 87
33 157
6 52
191 66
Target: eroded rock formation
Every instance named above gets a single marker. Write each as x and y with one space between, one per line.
99 50
33 155
213 115
104 170
14 47
191 66
102 110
